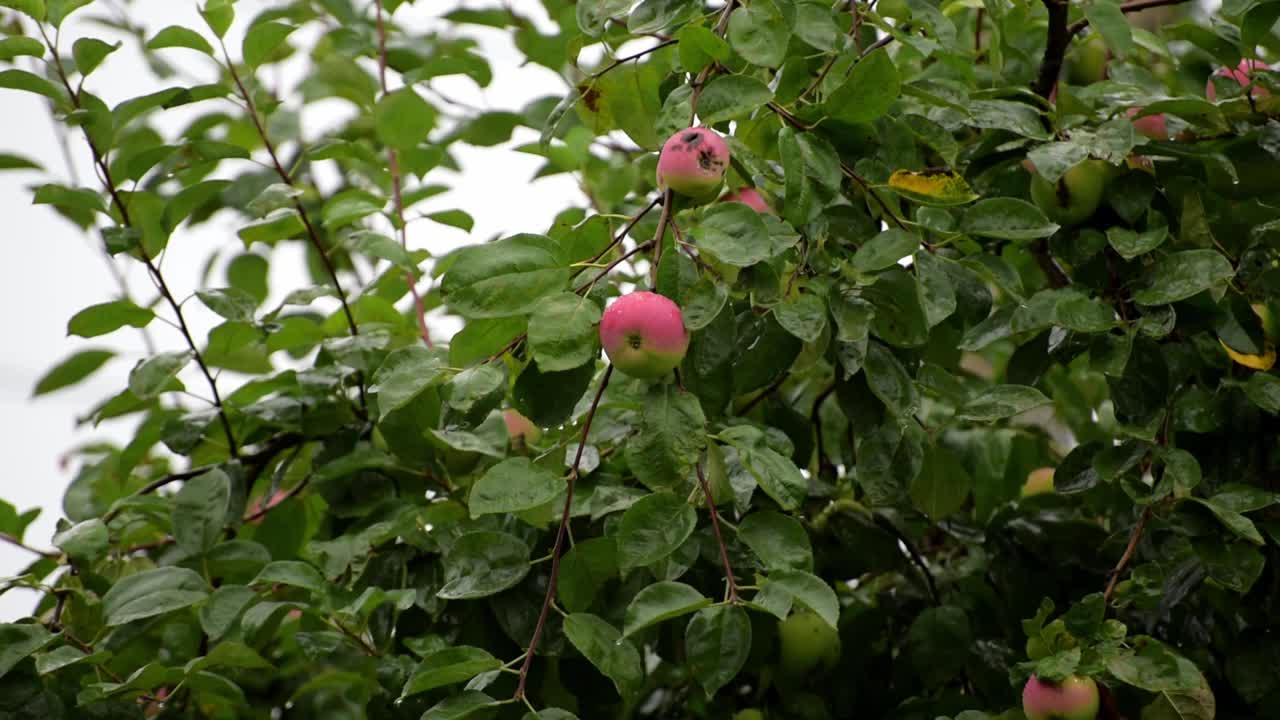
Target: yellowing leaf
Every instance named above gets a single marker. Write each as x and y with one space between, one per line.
932 188
1257 362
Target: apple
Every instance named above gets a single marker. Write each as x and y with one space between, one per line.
1242 74
693 163
749 714
643 334
1039 481
520 429
807 642
1076 195
1153 126
1087 61
750 197
1076 698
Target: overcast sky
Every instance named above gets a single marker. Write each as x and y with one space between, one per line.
51 270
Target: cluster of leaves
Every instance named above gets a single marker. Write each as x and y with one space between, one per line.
351 530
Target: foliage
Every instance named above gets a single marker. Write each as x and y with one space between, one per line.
348 530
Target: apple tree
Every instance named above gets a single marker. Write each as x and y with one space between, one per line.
901 359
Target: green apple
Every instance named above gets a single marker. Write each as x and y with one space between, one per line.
1075 196
807 643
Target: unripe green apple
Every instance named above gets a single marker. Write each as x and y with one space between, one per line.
693 163
1076 195
643 334
1076 698
1039 481
807 642
1087 61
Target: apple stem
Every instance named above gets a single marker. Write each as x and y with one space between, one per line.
730 581
560 535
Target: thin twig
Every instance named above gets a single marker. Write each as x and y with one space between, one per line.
722 25
634 56
1129 551
855 24
104 169
773 387
19 544
663 220
1129 7
560 534
609 268
729 579
393 166
915 555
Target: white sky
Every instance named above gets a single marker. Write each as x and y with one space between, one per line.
51 270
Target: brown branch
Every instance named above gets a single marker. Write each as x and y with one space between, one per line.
855 24
609 268
1057 39
663 220
722 25
729 579
771 389
634 56
6 537
393 165
1057 278
270 505
99 160
930 584
1129 7
1129 552
560 534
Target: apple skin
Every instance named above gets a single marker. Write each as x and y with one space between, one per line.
1039 482
1076 698
750 197
807 642
643 334
1087 61
520 429
1153 126
1241 74
693 163
1076 195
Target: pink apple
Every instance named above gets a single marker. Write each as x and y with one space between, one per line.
520 428
1242 74
693 162
750 197
1153 126
643 334
1076 698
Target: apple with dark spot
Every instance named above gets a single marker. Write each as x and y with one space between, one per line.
693 163
1075 196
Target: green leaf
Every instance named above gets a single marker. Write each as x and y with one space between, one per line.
483 563
75 368
177 36
18 642
587 566
151 593
942 486
10 161
33 9
279 225
889 381
504 278
717 644
23 80
937 291
804 316
668 439
1242 526
90 52
457 707
68 198
732 96
735 234
658 15
1110 22
1236 565
699 47
810 590
107 317
653 528
562 331
1006 218
513 485
759 33
1263 390
262 39
219 15
151 376
606 649
402 119
87 540
1180 275
1130 244
780 541
777 476
870 91
200 511
231 303
659 602
885 250
294 573
1000 402
448 667
403 376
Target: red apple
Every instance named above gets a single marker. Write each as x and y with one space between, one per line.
750 197
1039 481
1242 74
1076 195
1153 126
693 163
1076 698
520 429
643 334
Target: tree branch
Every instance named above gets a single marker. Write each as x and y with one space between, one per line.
1129 7
722 25
560 534
1055 49
930 584
634 56
1129 551
6 537
584 287
393 165
1057 278
100 161
663 220
729 579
